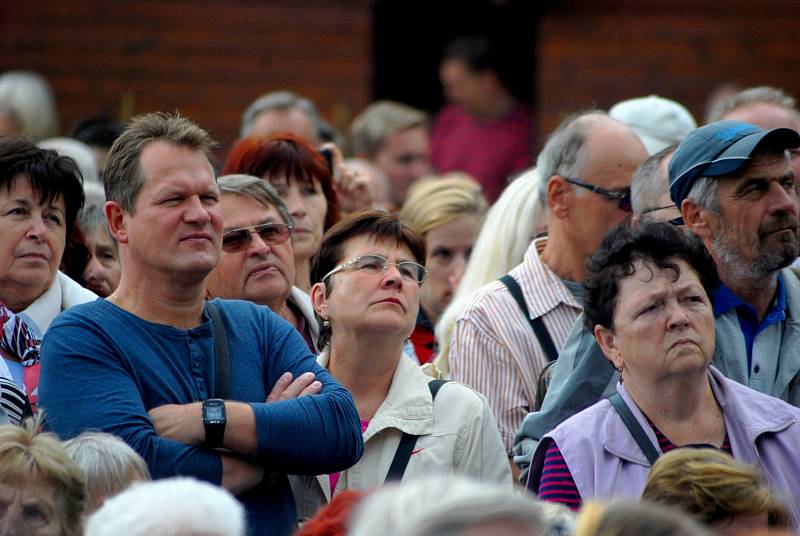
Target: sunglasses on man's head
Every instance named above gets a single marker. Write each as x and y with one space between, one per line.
272 234
623 199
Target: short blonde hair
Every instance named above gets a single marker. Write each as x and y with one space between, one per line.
713 487
435 201
26 454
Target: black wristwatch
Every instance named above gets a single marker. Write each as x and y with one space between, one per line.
214 421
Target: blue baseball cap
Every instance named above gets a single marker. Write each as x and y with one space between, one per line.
719 149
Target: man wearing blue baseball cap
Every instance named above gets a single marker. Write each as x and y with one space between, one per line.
738 194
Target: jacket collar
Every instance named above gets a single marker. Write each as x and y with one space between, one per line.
62 294
408 405
747 415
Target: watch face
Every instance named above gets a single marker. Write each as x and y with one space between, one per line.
215 413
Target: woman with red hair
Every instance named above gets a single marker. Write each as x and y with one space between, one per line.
302 179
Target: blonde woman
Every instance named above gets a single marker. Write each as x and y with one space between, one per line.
726 495
446 212
505 235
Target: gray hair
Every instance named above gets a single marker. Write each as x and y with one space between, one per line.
28 98
123 174
91 218
753 95
257 189
280 100
172 507
375 122
563 153
78 151
440 504
705 192
108 463
649 181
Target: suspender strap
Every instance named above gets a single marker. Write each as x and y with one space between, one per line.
222 376
634 428
403 453
536 323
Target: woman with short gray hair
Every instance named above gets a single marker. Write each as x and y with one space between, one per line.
108 463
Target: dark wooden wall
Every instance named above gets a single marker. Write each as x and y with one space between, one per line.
597 52
209 59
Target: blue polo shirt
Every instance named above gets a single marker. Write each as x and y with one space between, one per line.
724 300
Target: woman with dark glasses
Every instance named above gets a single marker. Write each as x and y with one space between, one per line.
257 262
368 275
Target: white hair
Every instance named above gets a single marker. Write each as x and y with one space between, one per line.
27 96
170 507
108 463
437 505
78 151
501 244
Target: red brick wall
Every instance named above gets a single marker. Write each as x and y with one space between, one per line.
596 52
209 59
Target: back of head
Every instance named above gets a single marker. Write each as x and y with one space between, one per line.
435 201
79 152
713 487
29 99
170 507
375 122
281 101
623 519
123 175
51 175
658 122
726 108
28 455
444 505
650 183
108 463
97 131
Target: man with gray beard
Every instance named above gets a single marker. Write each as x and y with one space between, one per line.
738 193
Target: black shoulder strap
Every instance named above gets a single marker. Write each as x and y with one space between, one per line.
222 376
634 428
538 326
403 453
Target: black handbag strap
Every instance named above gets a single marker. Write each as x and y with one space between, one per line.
222 376
403 453
536 323
633 426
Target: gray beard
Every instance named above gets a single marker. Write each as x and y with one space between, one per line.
767 263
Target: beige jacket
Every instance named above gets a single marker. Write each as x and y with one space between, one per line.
457 434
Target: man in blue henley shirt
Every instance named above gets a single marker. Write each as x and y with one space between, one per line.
141 363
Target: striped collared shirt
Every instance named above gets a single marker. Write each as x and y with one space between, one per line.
495 351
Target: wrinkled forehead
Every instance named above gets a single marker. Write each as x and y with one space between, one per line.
646 277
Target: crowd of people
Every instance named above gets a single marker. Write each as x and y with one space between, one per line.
418 328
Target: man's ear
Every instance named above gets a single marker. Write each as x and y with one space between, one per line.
319 299
559 193
696 218
606 340
116 221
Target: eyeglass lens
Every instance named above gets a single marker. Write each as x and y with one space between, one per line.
376 264
271 233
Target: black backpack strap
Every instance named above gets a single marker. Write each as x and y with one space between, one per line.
537 325
403 453
222 376
634 428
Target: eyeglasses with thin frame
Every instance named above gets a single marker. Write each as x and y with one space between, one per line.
375 264
623 199
273 234
674 221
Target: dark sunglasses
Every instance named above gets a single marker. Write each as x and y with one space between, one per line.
623 199
272 234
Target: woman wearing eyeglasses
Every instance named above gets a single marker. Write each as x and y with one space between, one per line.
304 183
257 262
368 274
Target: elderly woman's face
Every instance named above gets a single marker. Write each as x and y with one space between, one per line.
358 301
32 239
30 508
662 326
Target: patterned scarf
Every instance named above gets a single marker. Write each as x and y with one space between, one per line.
17 339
